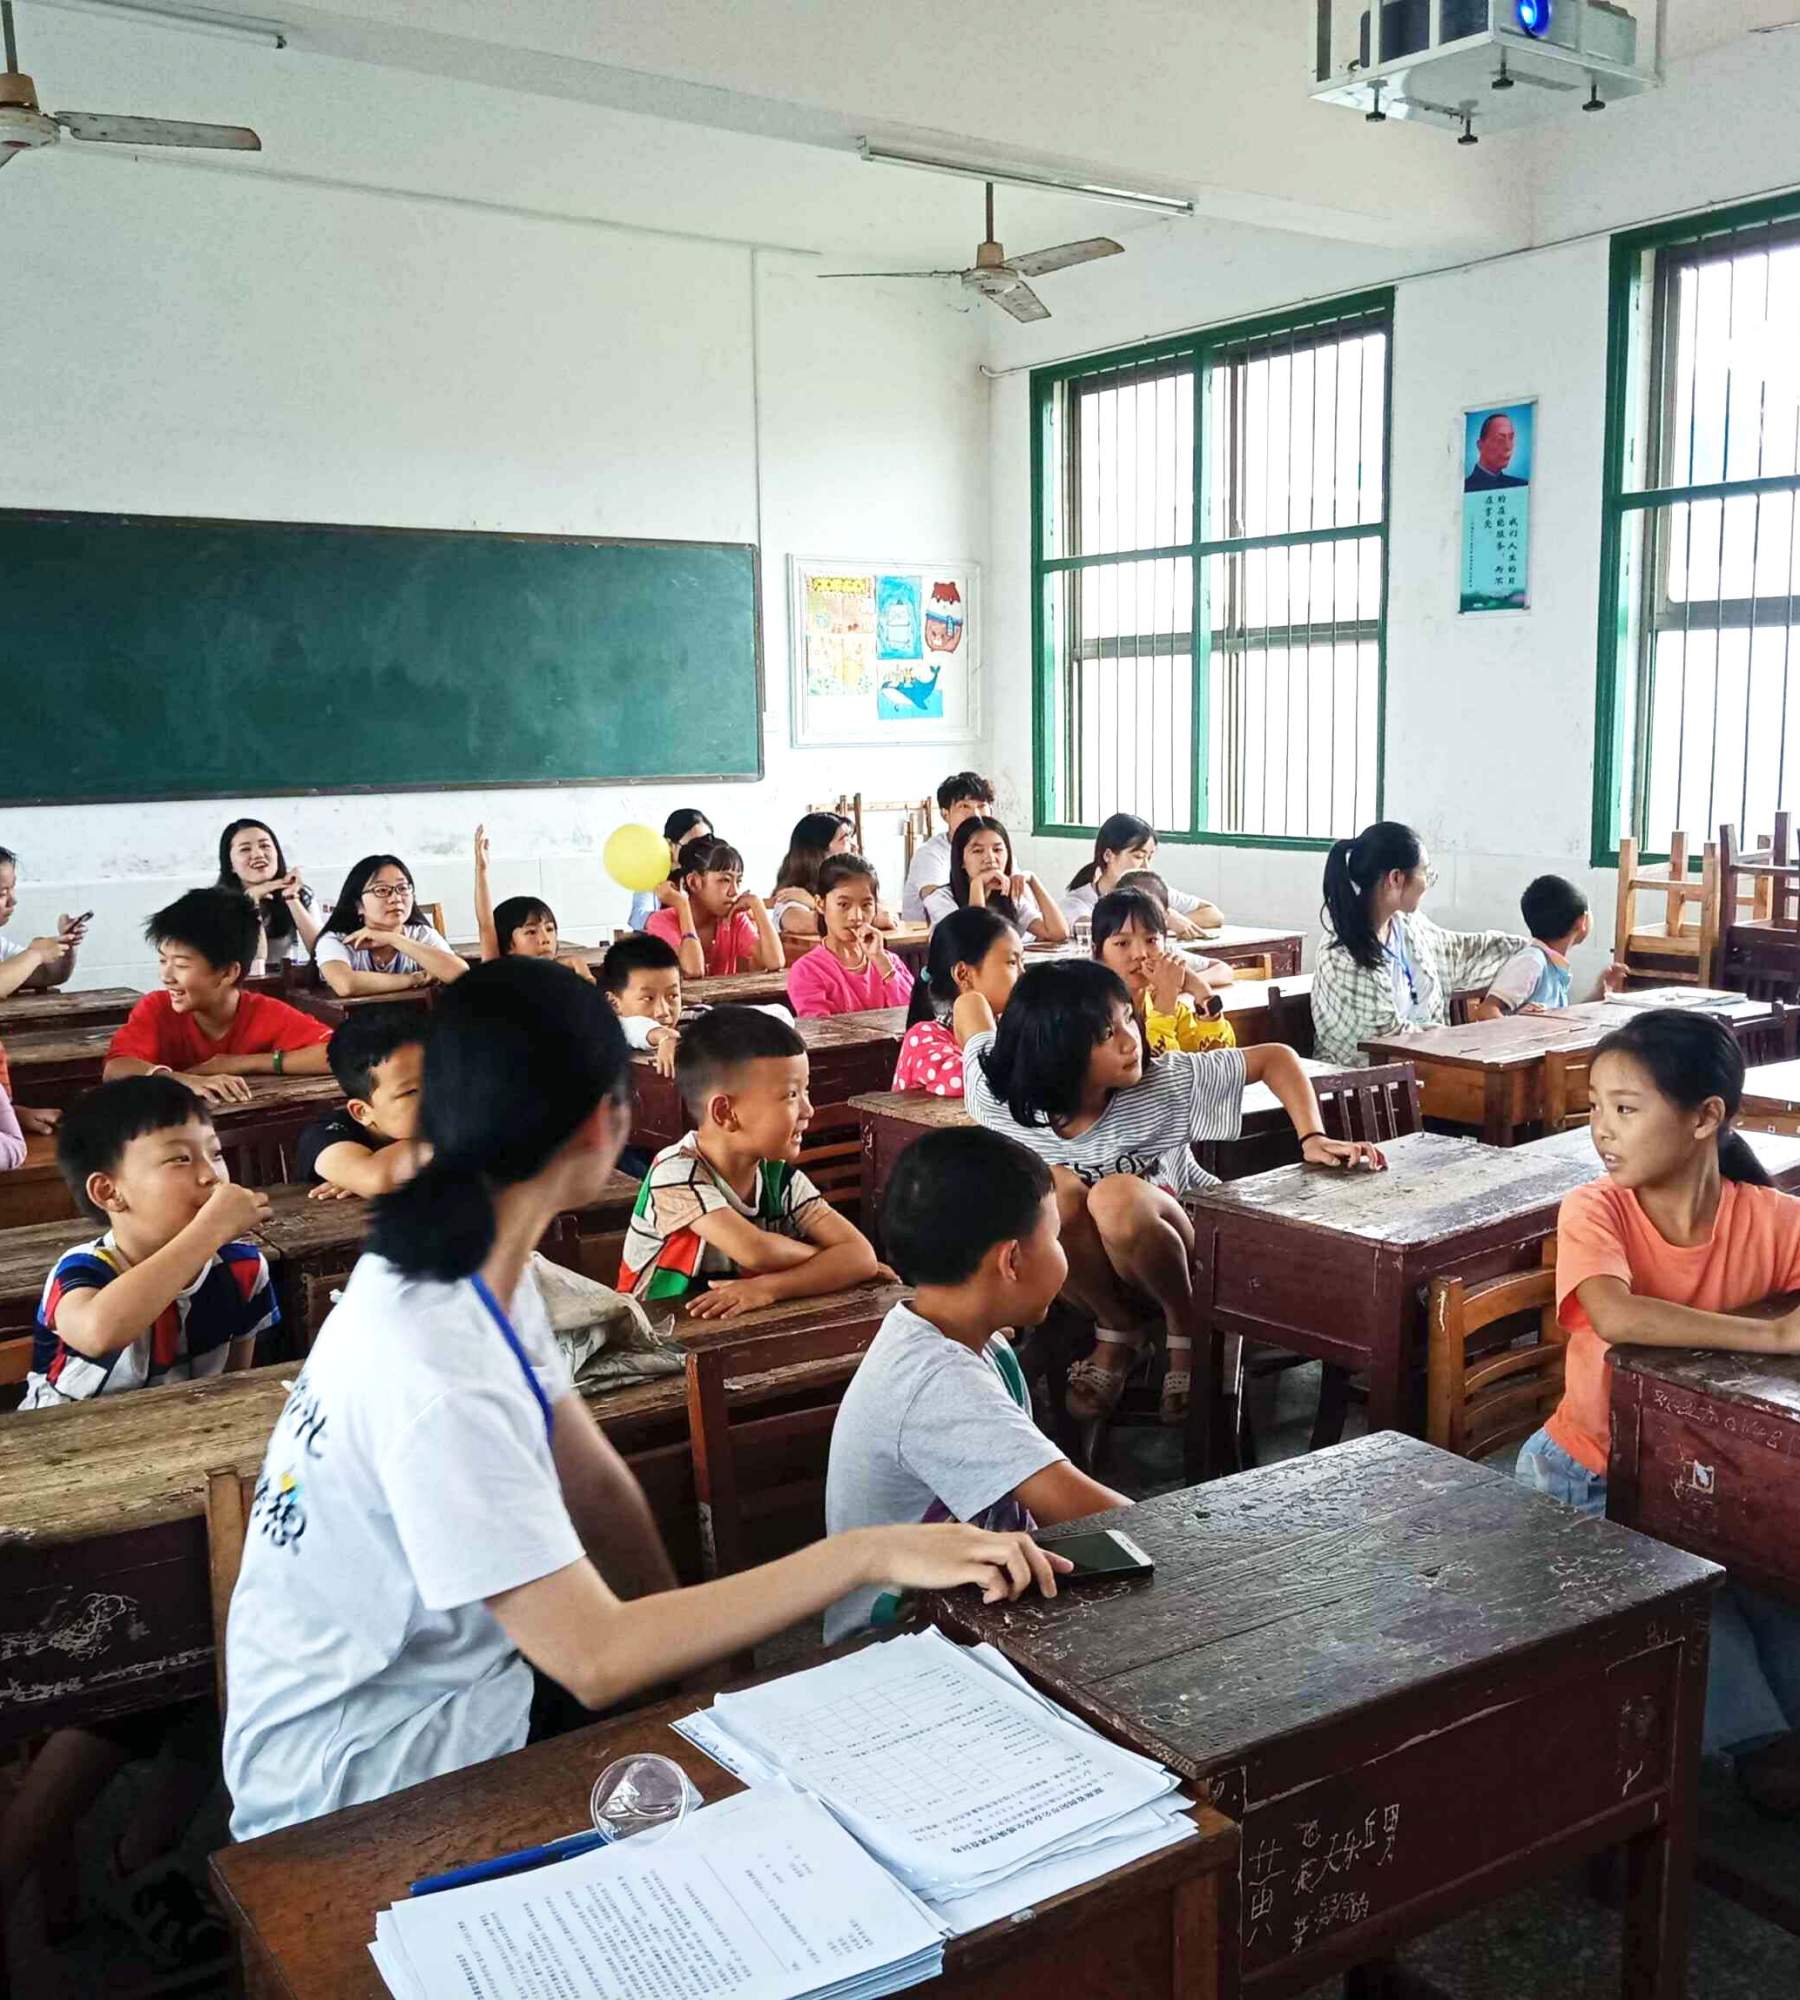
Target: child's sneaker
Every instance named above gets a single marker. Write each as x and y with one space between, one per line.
176 1925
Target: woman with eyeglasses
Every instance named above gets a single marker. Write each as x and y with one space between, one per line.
374 941
1383 967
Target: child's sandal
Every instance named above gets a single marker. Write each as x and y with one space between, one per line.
1093 1391
1177 1392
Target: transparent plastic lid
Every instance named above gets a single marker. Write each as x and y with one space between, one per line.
645 1795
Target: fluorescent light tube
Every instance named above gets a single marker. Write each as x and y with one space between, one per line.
234 27
1049 179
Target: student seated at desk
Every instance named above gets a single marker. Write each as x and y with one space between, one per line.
850 970
1177 999
288 918
42 962
962 795
725 1221
936 1423
982 876
714 924
12 1138
1668 1249
200 1024
971 967
1126 845
1067 1076
816 839
372 1144
520 926
428 1530
374 942
684 824
641 978
1536 980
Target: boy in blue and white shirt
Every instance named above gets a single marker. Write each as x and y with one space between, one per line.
1536 979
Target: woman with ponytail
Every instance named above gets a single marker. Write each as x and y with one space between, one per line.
1126 845
1383 967
1673 1247
438 1512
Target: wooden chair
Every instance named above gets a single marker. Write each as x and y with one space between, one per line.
1773 1040
260 1156
827 1336
1463 1005
433 914
1495 1355
1683 949
1759 896
831 1157
917 818
228 1497
1290 1019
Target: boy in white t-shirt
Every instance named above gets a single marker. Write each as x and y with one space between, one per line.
936 1424
960 795
641 978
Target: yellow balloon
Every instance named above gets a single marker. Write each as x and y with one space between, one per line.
637 857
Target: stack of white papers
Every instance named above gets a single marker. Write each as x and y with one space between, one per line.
978 1793
760 1897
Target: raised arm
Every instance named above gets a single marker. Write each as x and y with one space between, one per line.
484 901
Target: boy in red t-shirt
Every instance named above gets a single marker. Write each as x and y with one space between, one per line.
200 1026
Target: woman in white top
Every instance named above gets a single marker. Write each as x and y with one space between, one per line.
1384 968
982 876
373 942
1124 845
438 1511
815 839
287 915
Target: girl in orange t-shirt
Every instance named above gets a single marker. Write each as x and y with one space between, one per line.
1682 1236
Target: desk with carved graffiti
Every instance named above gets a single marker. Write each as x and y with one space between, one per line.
1415 1686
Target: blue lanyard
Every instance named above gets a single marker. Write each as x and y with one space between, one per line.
1400 958
512 1340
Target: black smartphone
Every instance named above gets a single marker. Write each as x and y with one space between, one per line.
1103 1553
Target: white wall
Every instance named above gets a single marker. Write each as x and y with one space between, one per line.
202 343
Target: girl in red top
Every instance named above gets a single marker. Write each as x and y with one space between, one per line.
1671 1249
714 923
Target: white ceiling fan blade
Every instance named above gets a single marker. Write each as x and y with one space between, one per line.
106 129
1036 263
1019 300
892 274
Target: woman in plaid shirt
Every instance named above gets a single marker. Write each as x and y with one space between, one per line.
1384 967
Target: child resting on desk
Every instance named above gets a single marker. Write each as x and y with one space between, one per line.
712 922
374 941
936 1423
1535 980
850 969
521 926
200 1025
170 1293
971 967
641 978
372 1144
1066 1075
724 1220
1670 1248
1176 997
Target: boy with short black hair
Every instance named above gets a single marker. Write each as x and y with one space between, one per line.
961 794
200 1026
936 1423
725 1222
1536 979
371 1145
641 976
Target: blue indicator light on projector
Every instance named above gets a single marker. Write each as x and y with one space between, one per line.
1534 16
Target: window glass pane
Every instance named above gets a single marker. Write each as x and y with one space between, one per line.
1134 446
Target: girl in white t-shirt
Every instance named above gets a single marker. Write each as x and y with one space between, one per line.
982 876
1126 845
375 941
438 1510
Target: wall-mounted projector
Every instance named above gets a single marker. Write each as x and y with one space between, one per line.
1474 66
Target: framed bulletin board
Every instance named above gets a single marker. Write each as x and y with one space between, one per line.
884 653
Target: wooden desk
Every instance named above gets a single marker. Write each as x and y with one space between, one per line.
36 1191
1415 1686
303 1901
737 989
1772 1096
1489 1075
1244 944
63 1008
51 1067
846 1053
909 943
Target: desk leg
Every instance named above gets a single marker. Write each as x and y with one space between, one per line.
1659 1864
1496 1109
1209 1439
1391 1328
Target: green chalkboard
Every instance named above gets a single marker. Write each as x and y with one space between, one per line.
152 658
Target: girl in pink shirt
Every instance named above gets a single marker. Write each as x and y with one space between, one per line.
974 952
850 969
714 925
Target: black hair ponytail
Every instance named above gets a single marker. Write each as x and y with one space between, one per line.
518 1054
1352 869
964 937
1690 1057
1117 834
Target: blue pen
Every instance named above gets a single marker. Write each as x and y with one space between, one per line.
511 1864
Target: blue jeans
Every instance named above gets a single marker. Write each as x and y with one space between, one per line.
1753 1681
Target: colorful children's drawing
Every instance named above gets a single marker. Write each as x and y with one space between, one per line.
897 618
840 635
943 618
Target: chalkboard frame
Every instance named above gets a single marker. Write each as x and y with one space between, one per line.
258 789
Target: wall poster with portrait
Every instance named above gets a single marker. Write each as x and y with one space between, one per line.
1498 461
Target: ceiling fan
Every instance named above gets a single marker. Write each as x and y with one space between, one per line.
1000 279
24 127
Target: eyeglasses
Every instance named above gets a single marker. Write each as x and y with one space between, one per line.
1431 878
388 892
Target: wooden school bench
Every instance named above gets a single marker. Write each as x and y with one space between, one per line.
1413 1684
1504 1078
64 1007
52 1066
302 1902
1337 1265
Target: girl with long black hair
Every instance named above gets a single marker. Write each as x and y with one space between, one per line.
250 859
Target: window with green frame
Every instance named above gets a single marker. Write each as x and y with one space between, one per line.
1698 721
1209 571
